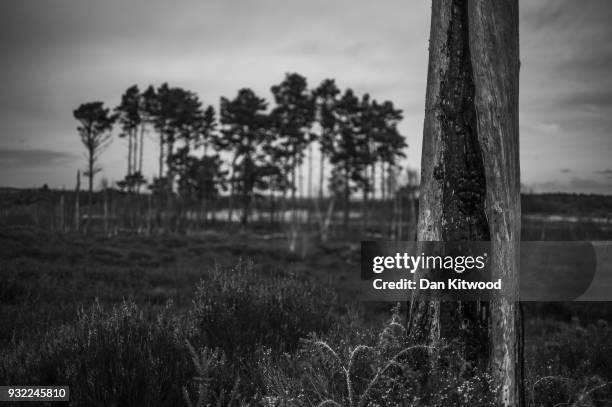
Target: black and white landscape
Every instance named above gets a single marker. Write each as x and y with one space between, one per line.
185 187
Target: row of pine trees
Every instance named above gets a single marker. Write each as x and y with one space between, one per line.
249 148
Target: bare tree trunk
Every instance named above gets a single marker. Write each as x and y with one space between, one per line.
494 39
90 191
321 175
347 199
309 196
293 189
135 151
77 209
170 186
106 211
310 170
230 212
129 159
141 151
470 187
61 213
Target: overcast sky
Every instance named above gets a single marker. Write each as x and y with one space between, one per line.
57 54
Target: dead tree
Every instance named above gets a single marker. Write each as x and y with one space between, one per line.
77 201
470 189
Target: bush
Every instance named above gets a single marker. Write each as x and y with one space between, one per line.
120 357
107 358
239 311
573 366
388 371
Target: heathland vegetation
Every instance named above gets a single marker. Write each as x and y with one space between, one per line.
159 320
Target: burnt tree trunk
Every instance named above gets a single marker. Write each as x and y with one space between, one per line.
470 189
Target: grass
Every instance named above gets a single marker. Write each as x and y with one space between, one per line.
183 321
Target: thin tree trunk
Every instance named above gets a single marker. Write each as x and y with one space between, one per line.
169 185
310 171
347 199
373 180
141 151
470 179
230 212
129 160
61 213
77 200
293 188
90 190
161 156
246 197
383 181
309 183
364 209
321 175
105 193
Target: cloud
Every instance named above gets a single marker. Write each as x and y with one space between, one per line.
56 55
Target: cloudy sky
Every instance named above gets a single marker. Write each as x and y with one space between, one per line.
57 54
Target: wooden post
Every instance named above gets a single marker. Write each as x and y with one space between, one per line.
470 187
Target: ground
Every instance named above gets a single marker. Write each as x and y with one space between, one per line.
48 277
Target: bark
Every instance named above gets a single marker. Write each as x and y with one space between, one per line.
470 178
494 33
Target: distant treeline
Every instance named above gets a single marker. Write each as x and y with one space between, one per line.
549 203
248 147
567 204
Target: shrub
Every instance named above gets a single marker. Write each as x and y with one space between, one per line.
388 371
238 311
573 366
107 358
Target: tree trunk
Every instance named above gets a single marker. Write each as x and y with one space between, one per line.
364 209
230 211
161 157
169 186
61 213
77 200
470 187
347 199
383 180
293 189
135 152
141 151
90 190
309 171
321 175
129 159
105 194
246 194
